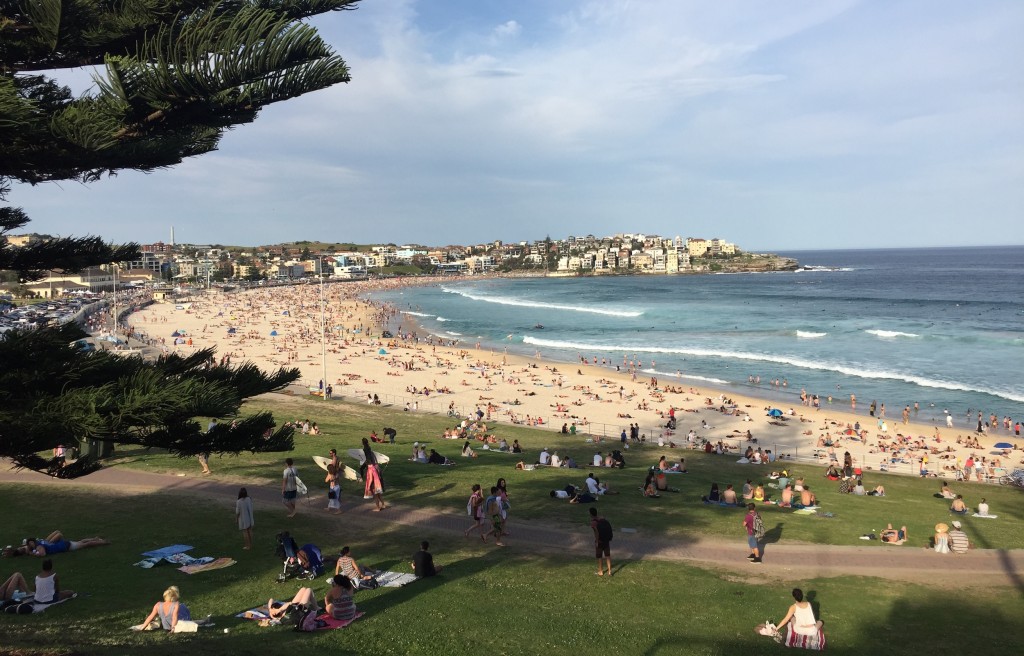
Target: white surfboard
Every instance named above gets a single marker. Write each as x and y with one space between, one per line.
349 473
358 455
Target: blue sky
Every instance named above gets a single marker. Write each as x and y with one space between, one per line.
777 125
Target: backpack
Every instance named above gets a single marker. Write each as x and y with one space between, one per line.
305 618
758 526
604 530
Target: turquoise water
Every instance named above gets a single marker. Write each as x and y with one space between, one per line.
940 327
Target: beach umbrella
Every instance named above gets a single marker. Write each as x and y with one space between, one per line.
382 352
775 412
1003 445
175 334
231 331
273 333
849 431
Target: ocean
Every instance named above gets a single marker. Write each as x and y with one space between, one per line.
943 327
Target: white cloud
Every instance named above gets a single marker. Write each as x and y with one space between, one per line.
508 29
668 110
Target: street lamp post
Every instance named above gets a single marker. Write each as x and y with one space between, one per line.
323 329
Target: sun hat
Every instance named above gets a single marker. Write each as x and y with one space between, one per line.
941 528
956 524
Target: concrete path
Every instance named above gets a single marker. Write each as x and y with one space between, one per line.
980 567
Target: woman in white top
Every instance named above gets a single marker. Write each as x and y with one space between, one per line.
983 508
941 538
244 516
802 616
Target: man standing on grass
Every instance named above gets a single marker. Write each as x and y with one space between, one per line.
602 540
289 486
749 522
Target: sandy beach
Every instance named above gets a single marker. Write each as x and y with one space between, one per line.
281 327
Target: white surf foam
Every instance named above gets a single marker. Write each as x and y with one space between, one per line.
807 334
415 314
842 368
503 300
889 334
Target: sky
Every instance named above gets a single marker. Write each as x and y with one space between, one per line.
784 125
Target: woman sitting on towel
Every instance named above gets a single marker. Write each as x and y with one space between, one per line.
803 630
338 600
348 567
169 611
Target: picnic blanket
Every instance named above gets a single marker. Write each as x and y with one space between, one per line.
163 552
219 563
809 510
394 579
18 607
332 623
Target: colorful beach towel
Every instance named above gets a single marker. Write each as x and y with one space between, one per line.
219 563
814 642
394 579
331 623
167 551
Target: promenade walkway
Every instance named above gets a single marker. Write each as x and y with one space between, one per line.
980 567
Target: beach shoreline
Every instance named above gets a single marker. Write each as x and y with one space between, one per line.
411 367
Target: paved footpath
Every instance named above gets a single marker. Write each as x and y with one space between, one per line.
980 567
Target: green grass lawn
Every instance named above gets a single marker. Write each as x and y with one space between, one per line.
487 601
909 500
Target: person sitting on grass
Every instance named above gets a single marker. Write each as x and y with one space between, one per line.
467 451
894 536
347 566
679 466
787 496
858 489
338 600
759 493
983 508
879 491
958 542
167 613
423 562
958 506
946 493
714 496
729 495
802 630
650 489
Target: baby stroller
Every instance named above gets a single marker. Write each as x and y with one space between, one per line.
305 563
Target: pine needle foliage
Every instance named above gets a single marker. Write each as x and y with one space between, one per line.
171 77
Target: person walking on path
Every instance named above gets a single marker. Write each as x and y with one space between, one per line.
602 541
244 516
289 486
475 508
374 483
750 522
492 511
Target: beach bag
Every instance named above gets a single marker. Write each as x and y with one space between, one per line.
758 526
604 530
186 626
305 618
